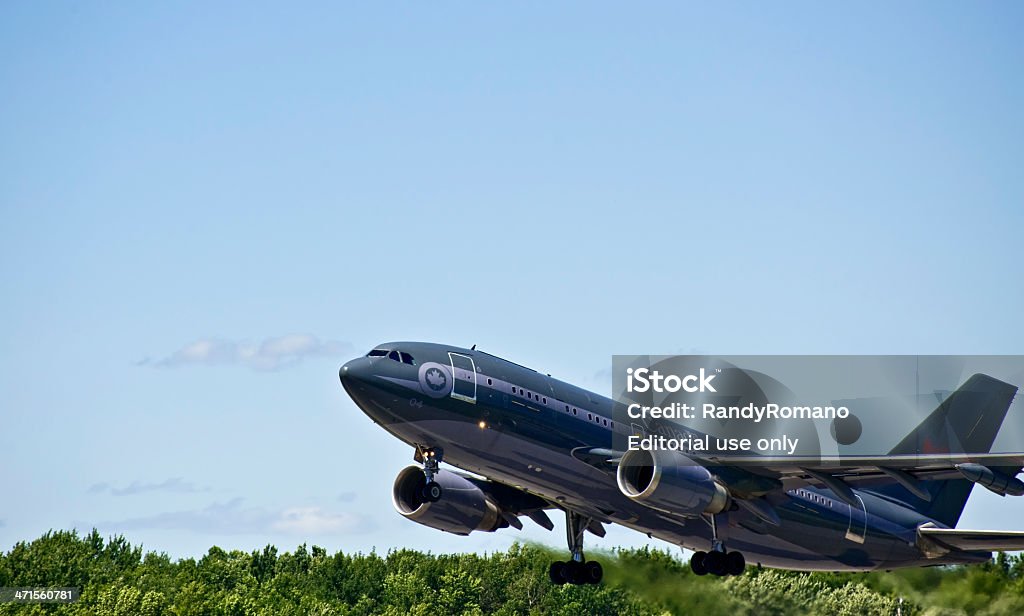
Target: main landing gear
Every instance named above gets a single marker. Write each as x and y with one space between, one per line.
718 561
579 570
430 457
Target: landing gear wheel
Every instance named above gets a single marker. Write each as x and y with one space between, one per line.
431 492
697 563
578 570
735 563
714 562
574 573
559 573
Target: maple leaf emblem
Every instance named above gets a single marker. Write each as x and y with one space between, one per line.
435 379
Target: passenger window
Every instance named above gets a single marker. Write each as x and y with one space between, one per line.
406 358
488 381
574 412
545 401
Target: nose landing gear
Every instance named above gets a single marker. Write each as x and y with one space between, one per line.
430 457
718 561
579 570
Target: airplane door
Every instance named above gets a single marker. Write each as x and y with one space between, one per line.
857 528
464 371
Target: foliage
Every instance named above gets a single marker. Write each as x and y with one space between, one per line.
117 579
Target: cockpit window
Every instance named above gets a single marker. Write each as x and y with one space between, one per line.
399 356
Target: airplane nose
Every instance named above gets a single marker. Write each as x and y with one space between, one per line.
351 372
354 372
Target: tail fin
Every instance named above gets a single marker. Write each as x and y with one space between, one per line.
965 422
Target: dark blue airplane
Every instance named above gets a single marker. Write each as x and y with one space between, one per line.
534 443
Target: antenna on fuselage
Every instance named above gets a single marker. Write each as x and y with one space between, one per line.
472 348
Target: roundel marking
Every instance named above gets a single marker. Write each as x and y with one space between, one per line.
846 431
435 380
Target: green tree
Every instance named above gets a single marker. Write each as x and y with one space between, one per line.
116 578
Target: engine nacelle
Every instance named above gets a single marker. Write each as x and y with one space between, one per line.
463 507
671 482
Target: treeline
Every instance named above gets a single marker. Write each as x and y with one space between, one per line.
118 579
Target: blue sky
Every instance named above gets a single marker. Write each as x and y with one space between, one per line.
205 209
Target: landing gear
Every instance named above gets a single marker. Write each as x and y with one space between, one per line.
573 572
697 563
718 561
578 570
431 491
735 563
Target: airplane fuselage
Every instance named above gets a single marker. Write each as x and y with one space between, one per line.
522 428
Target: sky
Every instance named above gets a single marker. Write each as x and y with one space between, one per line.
206 208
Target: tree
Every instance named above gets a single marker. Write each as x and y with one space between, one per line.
117 579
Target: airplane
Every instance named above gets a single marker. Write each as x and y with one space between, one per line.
523 443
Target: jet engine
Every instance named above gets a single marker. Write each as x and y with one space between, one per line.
671 482
463 508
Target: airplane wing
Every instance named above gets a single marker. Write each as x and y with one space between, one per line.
515 502
866 469
973 540
928 469
852 469
917 474
930 463
835 464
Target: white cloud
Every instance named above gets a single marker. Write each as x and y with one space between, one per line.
270 354
232 518
313 521
174 484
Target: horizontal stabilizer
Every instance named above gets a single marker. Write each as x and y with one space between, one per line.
975 540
